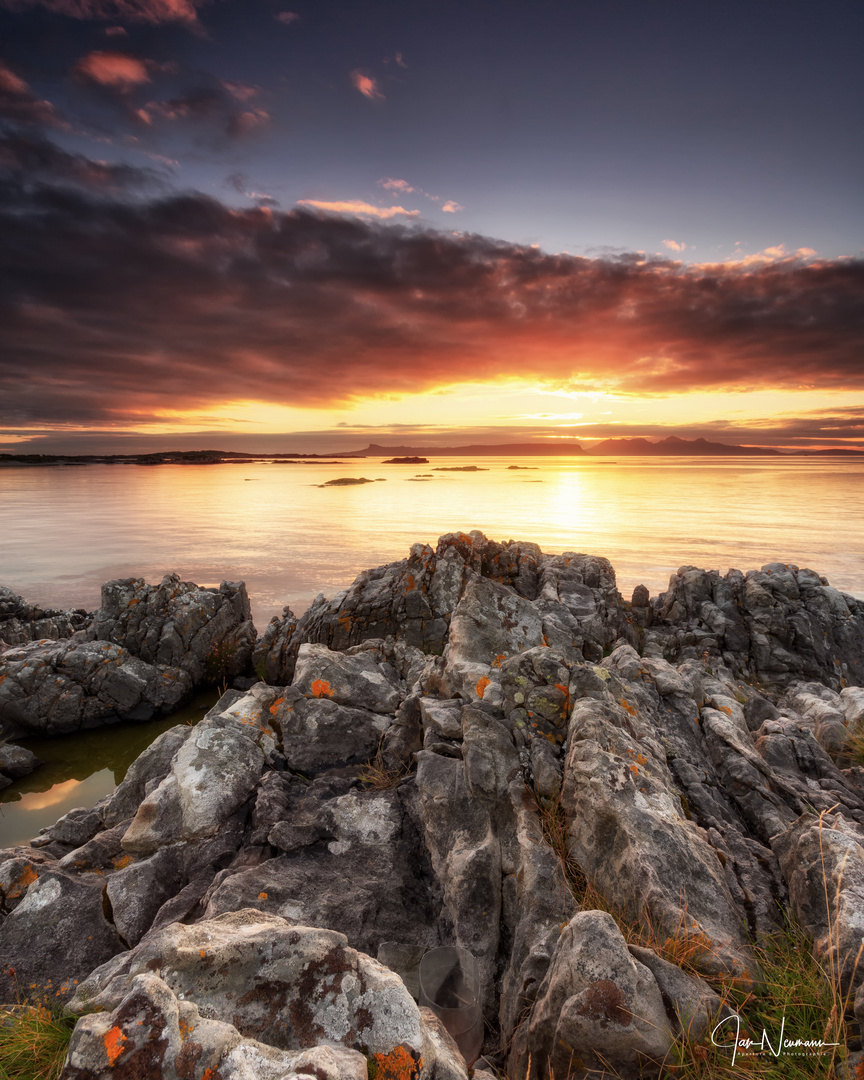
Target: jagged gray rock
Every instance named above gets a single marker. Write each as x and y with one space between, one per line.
676 751
21 621
207 633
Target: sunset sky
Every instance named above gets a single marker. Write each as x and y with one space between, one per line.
306 226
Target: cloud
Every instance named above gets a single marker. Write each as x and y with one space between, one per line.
28 161
240 91
115 70
367 86
396 185
364 209
19 103
209 105
116 31
674 245
286 17
450 207
143 11
400 61
324 308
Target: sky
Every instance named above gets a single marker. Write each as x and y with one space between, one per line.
311 225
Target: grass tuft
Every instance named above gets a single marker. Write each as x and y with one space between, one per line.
34 1040
797 998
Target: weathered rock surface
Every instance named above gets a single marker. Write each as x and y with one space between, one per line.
50 687
439 756
15 762
141 654
208 633
21 622
262 983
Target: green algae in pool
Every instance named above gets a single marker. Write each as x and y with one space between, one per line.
80 769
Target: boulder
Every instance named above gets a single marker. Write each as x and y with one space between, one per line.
598 1008
207 633
288 987
21 622
51 687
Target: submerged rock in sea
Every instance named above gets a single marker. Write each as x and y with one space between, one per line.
480 746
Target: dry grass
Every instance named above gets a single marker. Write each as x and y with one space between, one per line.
377 775
797 998
34 1040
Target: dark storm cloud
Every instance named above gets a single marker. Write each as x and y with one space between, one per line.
29 162
111 307
18 103
135 11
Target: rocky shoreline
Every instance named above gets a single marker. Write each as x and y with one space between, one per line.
383 776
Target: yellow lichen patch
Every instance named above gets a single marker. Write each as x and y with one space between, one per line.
274 707
321 688
480 687
626 705
122 861
22 883
114 1042
399 1064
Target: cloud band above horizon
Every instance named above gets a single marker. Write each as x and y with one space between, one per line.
180 302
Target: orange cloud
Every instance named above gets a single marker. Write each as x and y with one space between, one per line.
286 17
116 70
396 185
450 207
367 86
146 11
324 308
674 245
364 209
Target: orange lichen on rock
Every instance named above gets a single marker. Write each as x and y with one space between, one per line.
499 659
122 861
410 583
262 895
481 685
22 883
399 1064
275 705
321 688
114 1042
626 705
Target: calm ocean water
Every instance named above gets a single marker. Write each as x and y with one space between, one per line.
66 530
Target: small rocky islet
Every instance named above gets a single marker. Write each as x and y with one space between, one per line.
385 776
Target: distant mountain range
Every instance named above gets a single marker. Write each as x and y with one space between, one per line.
675 446
670 446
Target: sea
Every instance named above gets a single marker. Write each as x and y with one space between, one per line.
279 527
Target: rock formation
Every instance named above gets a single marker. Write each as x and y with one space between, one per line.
142 653
394 783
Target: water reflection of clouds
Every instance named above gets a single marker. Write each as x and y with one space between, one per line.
39 800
